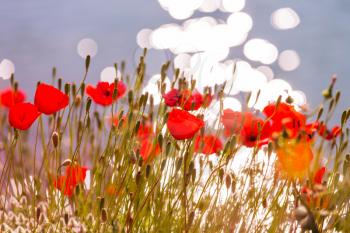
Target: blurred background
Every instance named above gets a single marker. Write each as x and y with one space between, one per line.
301 42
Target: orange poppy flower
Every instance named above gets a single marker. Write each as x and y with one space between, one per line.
295 157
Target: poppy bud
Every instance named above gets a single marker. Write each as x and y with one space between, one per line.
88 105
59 83
138 178
38 213
87 62
148 171
178 164
82 89
289 100
66 88
306 223
300 213
221 174
191 218
66 218
163 165
103 215
77 100
55 139
66 162
102 202
228 181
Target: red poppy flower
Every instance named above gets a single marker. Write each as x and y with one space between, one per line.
284 117
22 115
103 93
49 99
208 144
190 100
145 130
149 149
61 184
186 99
329 134
254 132
233 121
311 129
75 175
183 125
10 97
318 177
172 97
115 120
308 193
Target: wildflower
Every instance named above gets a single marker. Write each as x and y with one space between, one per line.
115 120
103 93
251 130
149 149
183 125
207 144
329 134
315 196
318 177
10 97
295 157
254 132
283 117
22 115
172 98
186 99
75 175
233 121
49 99
190 100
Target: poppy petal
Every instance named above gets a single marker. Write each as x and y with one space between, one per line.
183 125
22 115
49 99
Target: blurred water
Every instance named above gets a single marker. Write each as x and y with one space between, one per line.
39 34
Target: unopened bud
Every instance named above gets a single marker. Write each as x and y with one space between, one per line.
55 138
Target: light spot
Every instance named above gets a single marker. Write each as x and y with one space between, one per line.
109 74
284 18
209 6
267 71
240 21
289 60
233 5
87 47
7 68
142 38
260 50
